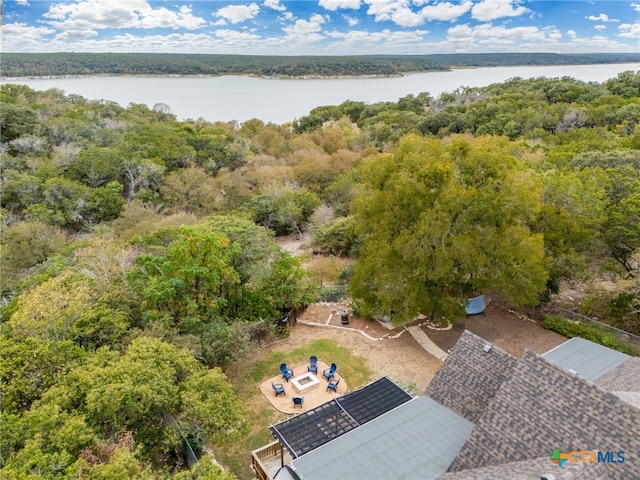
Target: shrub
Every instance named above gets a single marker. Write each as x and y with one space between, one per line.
588 332
332 294
338 237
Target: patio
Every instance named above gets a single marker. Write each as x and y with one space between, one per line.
314 394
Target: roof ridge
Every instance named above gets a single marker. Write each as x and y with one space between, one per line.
571 374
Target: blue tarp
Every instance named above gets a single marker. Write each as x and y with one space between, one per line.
475 305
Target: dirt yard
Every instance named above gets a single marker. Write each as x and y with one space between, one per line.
396 354
401 358
503 329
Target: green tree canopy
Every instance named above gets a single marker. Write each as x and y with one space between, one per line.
66 307
24 245
134 392
443 221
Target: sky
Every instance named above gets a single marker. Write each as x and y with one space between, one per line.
320 27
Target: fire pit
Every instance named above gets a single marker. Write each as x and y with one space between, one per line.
305 382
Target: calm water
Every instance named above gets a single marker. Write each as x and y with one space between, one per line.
242 98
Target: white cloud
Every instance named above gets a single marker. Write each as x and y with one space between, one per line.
164 18
351 21
238 13
446 11
382 9
20 37
597 43
172 43
553 33
405 39
488 10
629 30
636 6
23 3
305 31
275 5
234 37
603 17
334 5
487 33
490 38
287 16
405 17
365 42
94 14
72 36
600 27
97 14
398 11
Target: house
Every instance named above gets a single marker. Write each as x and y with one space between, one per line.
487 415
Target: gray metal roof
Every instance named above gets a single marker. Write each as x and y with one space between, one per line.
417 440
286 473
589 360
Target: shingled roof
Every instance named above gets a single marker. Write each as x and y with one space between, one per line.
623 381
541 407
522 409
532 470
471 376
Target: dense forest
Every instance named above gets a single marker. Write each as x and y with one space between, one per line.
56 64
140 257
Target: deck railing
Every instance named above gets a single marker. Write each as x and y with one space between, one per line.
257 456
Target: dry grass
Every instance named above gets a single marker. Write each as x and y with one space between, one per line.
246 377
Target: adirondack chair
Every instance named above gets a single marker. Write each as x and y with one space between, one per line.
313 365
297 401
333 385
278 388
330 372
287 373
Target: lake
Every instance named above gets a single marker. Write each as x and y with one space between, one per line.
241 98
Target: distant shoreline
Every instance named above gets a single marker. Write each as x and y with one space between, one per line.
287 77
35 66
264 77
282 77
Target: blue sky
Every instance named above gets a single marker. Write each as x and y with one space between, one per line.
320 27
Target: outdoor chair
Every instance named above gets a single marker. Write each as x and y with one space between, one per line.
333 385
297 401
313 365
287 373
278 388
330 372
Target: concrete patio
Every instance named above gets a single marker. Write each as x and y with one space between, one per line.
313 395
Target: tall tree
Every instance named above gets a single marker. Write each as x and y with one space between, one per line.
190 284
443 220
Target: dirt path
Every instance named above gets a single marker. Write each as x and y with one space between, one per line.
399 358
397 355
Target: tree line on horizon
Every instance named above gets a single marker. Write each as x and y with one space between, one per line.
140 260
62 64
